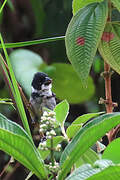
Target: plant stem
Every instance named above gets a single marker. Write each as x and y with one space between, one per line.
108 102
52 152
107 77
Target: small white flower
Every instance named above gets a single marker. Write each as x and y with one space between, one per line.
47 133
48 137
52 120
43 126
58 148
44 143
52 132
45 113
47 123
43 118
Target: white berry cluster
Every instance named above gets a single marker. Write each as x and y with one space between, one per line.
47 126
48 122
54 168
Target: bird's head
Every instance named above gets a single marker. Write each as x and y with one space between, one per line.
41 81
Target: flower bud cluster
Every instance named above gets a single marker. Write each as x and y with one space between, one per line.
54 168
48 121
47 126
43 145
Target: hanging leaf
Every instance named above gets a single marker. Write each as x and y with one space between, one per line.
109 46
83 35
17 143
78 4
116 3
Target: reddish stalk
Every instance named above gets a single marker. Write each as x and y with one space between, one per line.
107 77
108 102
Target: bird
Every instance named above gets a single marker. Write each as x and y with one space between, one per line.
41 95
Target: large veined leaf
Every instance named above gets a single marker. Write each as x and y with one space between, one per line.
17 143
116 3
77 4
109 46
102 169
83 35
85 138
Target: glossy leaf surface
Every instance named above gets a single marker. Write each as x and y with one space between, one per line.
77 124
89 133
17 143
112 151
61 110
102 169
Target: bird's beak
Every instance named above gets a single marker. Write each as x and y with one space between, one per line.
48 81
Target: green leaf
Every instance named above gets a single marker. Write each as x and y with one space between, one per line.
89 133
17 143
116 3
107 171
109 46
1 8
112 151
85 117
56 141
73 129
103 169
83 35
89 156
61 110
77 124
78 4
25 63
67 85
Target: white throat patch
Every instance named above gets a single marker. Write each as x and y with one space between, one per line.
45 90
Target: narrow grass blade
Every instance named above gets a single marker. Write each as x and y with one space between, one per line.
34 42
16 93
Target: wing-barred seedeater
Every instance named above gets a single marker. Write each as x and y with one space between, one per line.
42 95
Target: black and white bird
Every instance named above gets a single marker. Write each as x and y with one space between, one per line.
42 95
